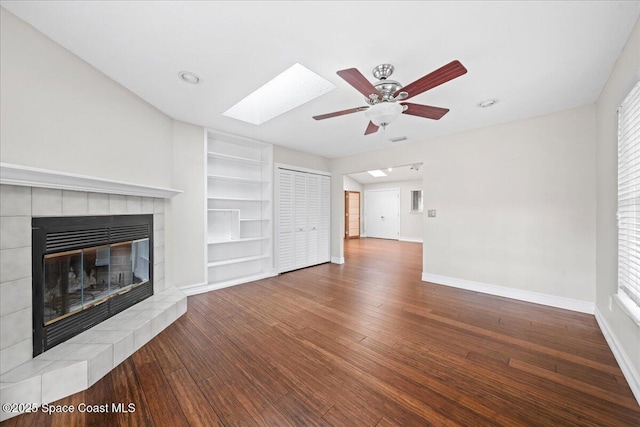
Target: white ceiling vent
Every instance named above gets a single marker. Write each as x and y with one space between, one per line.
398 139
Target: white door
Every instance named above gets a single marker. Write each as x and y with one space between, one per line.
382 213
303 215
324 238
286 225
313 219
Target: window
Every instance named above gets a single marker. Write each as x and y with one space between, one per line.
416 201
629 204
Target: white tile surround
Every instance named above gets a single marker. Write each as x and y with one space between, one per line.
86 358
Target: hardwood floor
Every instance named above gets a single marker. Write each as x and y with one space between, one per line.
363 344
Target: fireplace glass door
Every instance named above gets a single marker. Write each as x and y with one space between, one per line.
80 279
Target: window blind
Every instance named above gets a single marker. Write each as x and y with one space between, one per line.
629 199
416 200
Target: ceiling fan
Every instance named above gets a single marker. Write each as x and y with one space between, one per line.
384 96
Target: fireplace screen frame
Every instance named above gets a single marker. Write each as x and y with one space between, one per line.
57 235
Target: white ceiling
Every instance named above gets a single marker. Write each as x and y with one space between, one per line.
535 57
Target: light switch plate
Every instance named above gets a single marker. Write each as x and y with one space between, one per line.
431 213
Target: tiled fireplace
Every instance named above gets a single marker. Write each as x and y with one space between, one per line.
88 356
85 270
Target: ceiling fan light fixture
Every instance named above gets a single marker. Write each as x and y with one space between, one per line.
383 113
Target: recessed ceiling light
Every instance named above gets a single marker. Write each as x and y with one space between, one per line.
377 173
389 169
487 103
290 89
189 77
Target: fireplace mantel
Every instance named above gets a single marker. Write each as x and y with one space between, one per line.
11 174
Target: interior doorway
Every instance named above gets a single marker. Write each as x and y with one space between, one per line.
382 213
352 214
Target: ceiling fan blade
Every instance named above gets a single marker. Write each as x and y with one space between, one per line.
339 113
442 75
426 111
359 82
372 128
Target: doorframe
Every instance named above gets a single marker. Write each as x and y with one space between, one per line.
397 190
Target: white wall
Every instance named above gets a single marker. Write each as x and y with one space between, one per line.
291 157
515 203
624 332
350 184
60 113
188 209
410 223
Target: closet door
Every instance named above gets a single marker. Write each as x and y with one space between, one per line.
301 213
286 227
324 235
313 206
303 219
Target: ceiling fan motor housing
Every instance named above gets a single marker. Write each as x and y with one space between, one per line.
385 86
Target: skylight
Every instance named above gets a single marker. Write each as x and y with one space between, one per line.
377 173
288 90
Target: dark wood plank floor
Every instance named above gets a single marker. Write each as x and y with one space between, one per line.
364 344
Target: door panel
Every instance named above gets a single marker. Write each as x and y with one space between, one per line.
352 214
313 225
286 224
382 213
301 218
324 237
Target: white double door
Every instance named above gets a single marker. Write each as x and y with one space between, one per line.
382 213
303 219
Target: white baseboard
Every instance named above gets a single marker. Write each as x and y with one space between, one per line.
193 289
535 297
337 260
628 370
200 288
410 239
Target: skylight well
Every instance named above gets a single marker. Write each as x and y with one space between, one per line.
293 87
377 173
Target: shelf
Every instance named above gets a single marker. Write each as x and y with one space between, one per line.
244 239
239 178
11 174
236 159
236 260
231 178
236 199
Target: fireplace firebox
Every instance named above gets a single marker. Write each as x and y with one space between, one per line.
85 270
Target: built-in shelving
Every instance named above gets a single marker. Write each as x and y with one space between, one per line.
239 240
239 199
239 210
236 260
233 178
230 158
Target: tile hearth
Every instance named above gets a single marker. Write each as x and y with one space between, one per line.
78 363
